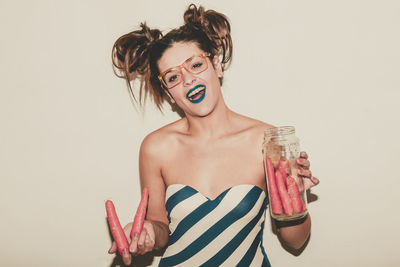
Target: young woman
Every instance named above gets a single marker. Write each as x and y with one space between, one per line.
204 172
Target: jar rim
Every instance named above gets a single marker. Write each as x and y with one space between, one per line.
280 130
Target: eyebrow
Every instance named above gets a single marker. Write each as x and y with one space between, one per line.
170 70
189 59
175 67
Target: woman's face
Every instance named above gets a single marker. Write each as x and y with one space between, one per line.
196 94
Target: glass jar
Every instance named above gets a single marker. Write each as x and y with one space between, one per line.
287 198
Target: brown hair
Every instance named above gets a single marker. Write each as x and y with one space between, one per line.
135 54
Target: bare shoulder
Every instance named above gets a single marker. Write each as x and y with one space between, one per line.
158 142
252 126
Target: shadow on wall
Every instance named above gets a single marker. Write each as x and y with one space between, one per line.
276 224
138 261
175 108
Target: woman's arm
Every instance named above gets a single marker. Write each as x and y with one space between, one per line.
161 232
155 229
296 233
150 160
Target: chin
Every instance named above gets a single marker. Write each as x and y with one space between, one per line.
204 111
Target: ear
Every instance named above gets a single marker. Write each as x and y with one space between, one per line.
217 66
170 96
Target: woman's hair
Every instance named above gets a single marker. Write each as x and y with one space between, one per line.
135 55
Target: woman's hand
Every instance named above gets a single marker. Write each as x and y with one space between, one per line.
144 242
140 244
295 233
304 171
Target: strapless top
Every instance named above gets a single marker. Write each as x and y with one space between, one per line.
225 231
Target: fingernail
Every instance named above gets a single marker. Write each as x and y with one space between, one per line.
300 171
300 160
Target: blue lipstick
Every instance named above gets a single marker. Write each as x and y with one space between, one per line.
201 90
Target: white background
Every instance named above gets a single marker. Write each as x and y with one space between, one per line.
70 136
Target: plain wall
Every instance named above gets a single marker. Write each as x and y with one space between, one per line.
70 135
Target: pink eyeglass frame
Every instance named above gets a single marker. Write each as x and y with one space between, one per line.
204 55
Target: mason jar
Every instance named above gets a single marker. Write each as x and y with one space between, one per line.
287 198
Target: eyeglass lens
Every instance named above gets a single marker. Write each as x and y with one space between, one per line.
194 65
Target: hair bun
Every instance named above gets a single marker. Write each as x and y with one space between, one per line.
194 15
151 35
215 25
130 55
130 50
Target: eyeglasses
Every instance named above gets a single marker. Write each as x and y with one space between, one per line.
195 65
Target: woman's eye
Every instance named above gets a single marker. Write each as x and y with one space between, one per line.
172 78
197 65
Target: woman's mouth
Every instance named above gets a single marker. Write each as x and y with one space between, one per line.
196 94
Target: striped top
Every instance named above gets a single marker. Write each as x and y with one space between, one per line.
225 231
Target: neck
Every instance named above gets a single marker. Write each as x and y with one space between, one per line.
216 124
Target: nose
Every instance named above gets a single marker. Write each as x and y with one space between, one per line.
187 77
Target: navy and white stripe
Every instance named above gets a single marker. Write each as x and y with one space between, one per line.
226 231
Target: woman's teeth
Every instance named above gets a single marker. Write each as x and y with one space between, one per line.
195 91
196 94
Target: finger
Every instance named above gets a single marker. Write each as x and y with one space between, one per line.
127 230
142 237
151 239
147 240
303 162
148 246
113 248
126 258
304 155
315 180
309 183
133 247
305 173
149 235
